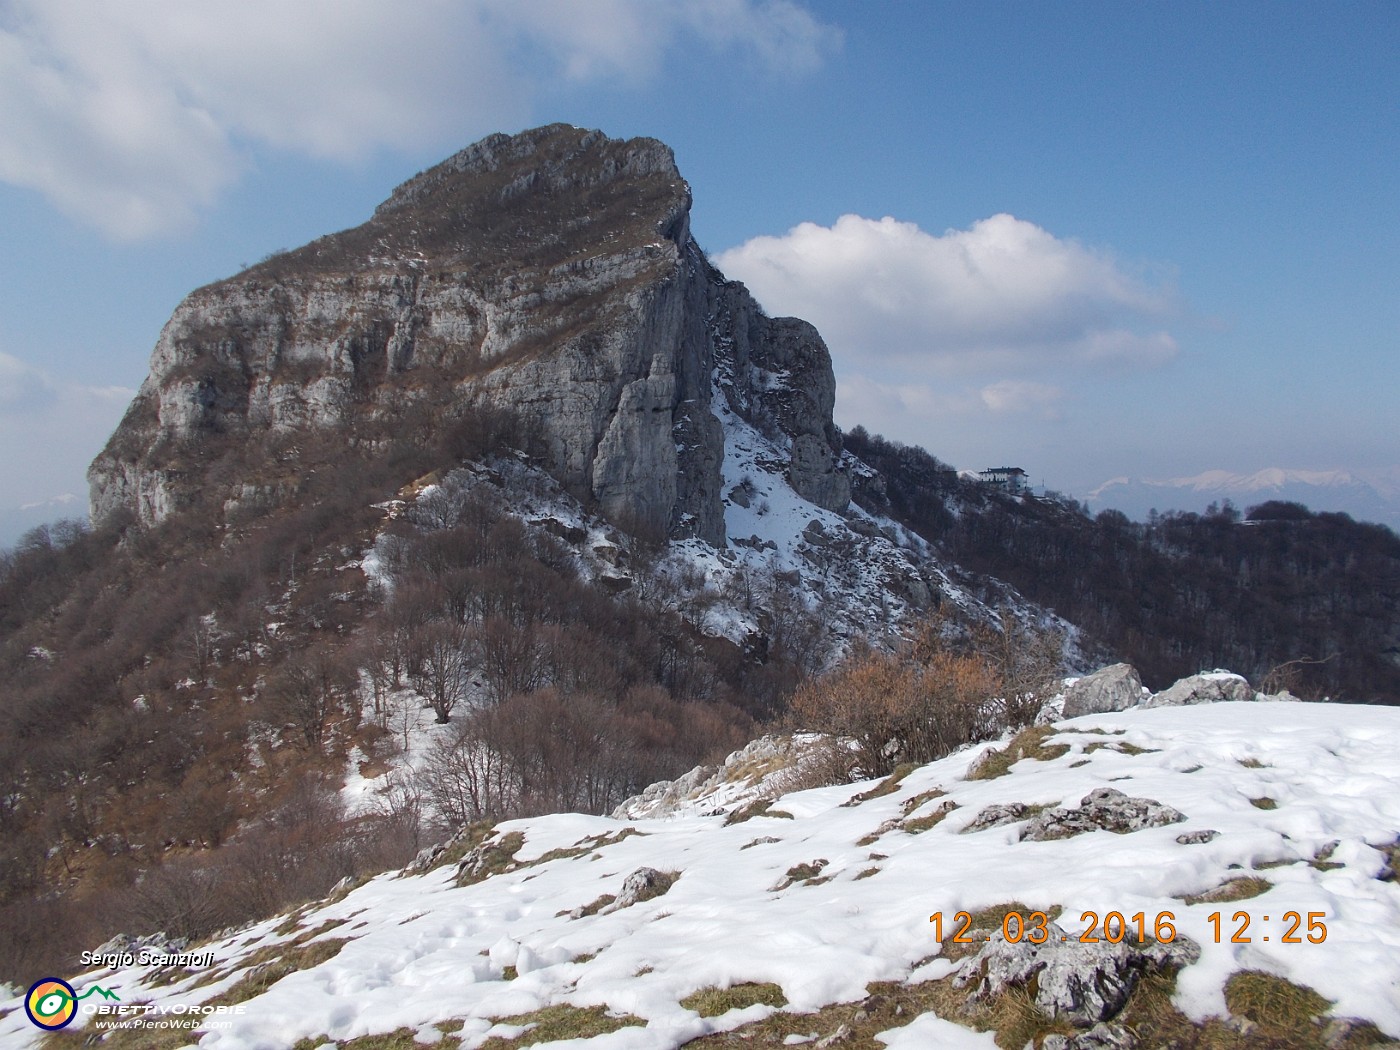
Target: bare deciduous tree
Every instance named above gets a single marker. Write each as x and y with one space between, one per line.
512 658
439 666
310 690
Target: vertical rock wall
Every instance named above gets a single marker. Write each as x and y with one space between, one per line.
549 274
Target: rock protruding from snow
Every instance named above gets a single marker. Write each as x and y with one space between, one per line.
1198 837
1100 1037
1103 809
763 769
1113 688
425 858
642 885
997 815
1210 687
667 797
1078 982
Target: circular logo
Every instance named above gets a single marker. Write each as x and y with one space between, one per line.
51 1003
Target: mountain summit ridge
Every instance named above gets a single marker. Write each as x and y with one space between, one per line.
550 276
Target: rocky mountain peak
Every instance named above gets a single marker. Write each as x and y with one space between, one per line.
549 276
556 159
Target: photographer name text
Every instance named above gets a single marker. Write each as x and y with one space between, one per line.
147 957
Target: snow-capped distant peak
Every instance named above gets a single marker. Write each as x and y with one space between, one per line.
63 500
1365 495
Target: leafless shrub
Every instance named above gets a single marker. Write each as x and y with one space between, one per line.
183 898
1292 676
927 699
466 780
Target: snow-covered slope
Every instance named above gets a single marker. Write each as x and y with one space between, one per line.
832 889
852 576
865 575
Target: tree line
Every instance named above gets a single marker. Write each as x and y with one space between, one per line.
1278 585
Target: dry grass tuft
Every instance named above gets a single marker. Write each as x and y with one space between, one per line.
559 1022
1390 871
888 786
918 825
1272 1002
1028 743
1242 888
265 970
761 807
587 845
399 1039
712 1002
808 874
910 804
1123 747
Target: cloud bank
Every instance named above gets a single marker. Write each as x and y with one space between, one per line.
1003 294
967 342
133 116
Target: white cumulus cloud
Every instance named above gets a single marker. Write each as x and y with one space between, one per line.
133 116
979 344
1004 293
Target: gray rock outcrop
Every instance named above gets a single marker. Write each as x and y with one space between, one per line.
1208 688
642 885
1083 983
1102 1036
764 768
1103 809
1113 688
548 276
998 815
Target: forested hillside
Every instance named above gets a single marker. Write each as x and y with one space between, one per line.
180 702
1314 598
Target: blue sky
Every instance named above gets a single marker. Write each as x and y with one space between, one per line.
1091 239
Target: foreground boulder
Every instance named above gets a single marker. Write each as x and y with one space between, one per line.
1113 688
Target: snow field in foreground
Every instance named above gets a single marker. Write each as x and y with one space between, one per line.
423 951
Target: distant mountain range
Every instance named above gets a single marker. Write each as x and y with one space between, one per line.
15 521
1365 495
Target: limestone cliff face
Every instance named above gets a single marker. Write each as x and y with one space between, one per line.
550 274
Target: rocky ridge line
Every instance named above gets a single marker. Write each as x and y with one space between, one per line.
550 275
